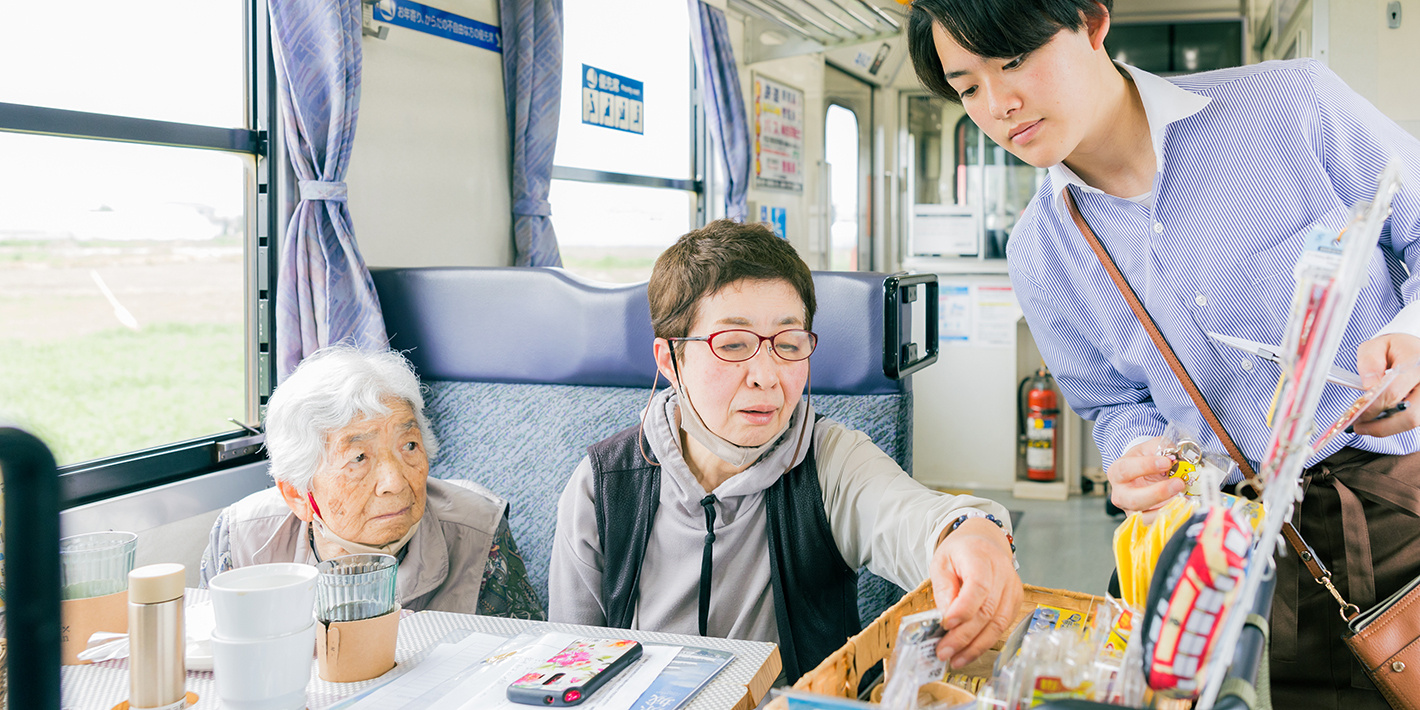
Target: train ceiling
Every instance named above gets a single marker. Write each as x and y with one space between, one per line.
782 28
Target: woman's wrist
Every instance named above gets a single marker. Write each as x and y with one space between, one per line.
985 519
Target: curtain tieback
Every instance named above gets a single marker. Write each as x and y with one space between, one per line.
319 190
530 207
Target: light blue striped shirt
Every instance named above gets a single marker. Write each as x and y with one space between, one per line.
1250 158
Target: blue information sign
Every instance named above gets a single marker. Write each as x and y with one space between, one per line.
423 18
777 218
612 100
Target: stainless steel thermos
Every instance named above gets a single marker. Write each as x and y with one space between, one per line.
157 674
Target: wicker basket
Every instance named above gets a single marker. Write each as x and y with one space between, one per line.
839 674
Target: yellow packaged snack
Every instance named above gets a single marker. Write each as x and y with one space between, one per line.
1137 547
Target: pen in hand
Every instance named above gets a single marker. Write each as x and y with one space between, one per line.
1384 413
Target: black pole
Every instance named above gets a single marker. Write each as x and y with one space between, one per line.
31 489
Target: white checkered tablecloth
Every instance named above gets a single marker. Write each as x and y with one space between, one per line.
101 686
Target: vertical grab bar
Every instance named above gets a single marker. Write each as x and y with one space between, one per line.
900 357
32 628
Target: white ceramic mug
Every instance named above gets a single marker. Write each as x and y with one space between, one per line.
263 601
264 674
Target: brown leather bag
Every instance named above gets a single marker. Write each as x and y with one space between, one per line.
1386 638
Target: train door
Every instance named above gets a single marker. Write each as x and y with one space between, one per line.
848 154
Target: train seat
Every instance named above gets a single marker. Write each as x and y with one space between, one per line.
527 367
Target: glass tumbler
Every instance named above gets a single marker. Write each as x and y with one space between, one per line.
355 587
96 564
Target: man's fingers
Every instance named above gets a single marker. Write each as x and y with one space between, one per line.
1139 482
1126 470
1372 359
1146 496
1400 390
1393 424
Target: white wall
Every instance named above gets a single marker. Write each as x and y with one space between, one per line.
429 172
1376 61
806 215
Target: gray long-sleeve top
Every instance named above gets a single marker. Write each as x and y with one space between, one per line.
881 518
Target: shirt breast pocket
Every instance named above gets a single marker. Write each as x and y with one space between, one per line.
1254 290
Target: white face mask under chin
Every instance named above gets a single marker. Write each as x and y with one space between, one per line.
356 548
726 450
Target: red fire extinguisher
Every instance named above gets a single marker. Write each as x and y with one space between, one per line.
1037 413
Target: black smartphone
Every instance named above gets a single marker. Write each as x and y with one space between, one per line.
576 672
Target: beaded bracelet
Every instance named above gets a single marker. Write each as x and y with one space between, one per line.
978 514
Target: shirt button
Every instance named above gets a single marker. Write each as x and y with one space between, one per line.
1158 227
1200 299
1246 365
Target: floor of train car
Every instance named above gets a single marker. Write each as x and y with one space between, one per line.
1062 544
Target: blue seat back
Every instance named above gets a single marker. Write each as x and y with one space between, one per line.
527 367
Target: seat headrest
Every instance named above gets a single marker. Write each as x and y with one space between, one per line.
548 326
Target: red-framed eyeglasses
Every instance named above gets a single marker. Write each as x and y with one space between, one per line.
739 345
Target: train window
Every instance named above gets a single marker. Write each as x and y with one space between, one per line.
841 151
624 183
123 302
632 226
133 266
173 60
1002 183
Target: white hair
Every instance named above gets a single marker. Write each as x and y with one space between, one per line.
330 389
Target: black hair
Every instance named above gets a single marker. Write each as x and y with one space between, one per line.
997 29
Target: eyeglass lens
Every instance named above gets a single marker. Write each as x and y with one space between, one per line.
741 345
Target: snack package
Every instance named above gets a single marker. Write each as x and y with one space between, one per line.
1042 619
1051 655
1137 544
914 659
1196 584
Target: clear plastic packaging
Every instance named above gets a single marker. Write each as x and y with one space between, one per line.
914 660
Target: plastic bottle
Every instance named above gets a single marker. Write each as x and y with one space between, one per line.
157 673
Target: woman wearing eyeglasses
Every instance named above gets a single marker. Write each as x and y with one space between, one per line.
733 510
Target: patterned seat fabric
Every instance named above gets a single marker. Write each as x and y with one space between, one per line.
529 455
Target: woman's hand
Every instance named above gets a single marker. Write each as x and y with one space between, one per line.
1139 481
976 587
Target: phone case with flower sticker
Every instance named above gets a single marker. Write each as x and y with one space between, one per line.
576 672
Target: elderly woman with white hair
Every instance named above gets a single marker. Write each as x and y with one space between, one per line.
350 448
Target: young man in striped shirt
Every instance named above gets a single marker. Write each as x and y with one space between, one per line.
1202 188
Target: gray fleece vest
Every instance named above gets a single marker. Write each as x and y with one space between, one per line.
815 592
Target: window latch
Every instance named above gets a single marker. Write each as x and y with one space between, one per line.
242 446
233 448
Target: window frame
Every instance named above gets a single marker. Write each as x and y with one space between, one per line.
111 476
699 183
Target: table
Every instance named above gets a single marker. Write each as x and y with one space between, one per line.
740 686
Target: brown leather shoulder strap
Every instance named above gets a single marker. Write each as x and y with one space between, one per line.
1293 537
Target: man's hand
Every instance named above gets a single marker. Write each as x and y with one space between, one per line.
1373 358
1139 480
976 587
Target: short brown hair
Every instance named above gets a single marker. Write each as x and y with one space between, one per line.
706 260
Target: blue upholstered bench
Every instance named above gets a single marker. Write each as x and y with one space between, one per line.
527 367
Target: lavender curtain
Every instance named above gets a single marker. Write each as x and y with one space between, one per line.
532 88
324 293
723 102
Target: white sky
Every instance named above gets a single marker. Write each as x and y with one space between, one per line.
98 56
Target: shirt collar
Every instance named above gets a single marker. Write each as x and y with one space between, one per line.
1164 103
